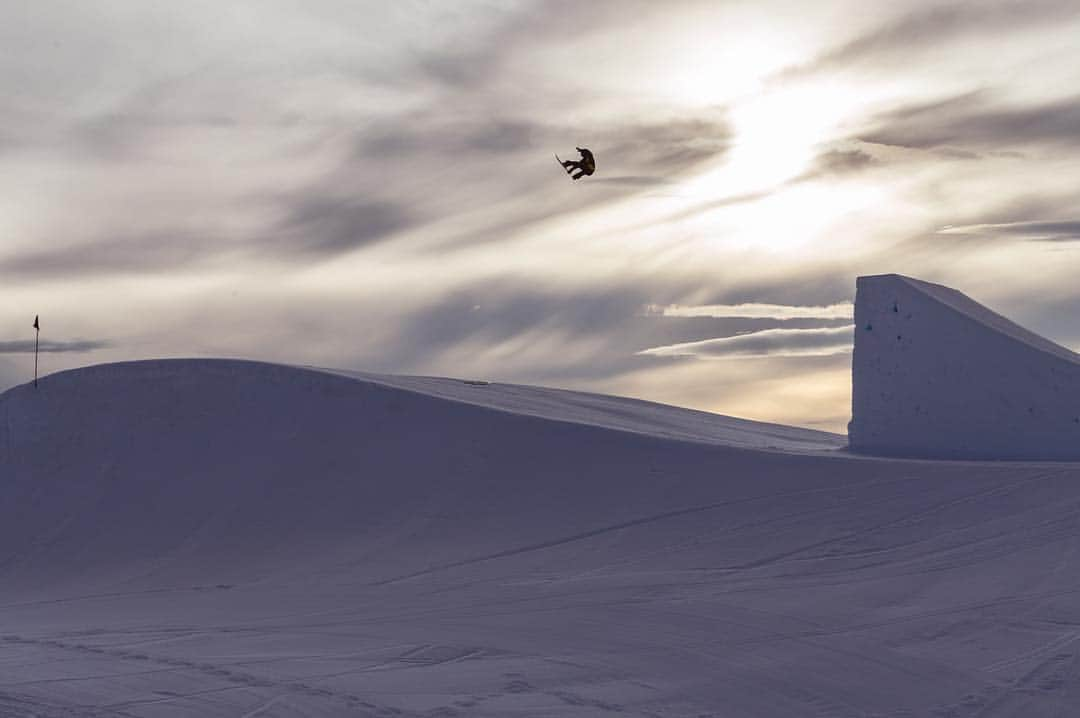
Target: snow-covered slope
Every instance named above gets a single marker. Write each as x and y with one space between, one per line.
148 464
935 374
613 412
218 538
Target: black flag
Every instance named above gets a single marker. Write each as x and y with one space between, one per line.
36 335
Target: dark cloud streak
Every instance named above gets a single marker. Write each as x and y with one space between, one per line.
26 346
152 251
968 120
469 68
433 134
932 28
1040 231
324 225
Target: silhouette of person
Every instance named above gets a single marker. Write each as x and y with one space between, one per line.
583 167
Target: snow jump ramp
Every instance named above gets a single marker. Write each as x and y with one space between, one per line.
938 375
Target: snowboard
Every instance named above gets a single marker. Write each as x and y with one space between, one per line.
566 169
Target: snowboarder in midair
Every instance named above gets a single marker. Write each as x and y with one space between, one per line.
583 167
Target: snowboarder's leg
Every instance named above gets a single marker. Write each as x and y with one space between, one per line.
579 175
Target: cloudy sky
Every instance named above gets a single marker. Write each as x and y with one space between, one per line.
370 185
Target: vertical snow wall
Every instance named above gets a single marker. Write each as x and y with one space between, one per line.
937 375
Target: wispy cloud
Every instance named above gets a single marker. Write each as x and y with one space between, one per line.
1044 231
471 66
768 342
827 164
842 310
153 251
323 225
23 346
839 162
435 134
973 120
928 28
632 181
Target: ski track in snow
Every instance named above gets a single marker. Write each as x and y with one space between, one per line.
219 538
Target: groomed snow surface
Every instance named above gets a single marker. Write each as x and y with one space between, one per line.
222 538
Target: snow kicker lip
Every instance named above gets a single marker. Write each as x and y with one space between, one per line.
937 375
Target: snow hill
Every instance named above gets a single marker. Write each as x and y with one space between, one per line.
222 538
935 374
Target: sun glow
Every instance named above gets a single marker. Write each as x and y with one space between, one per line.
776 137
800 218
778 133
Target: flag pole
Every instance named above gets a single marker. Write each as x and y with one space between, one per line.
37 335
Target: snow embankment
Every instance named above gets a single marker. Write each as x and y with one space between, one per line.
937 375
181 466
